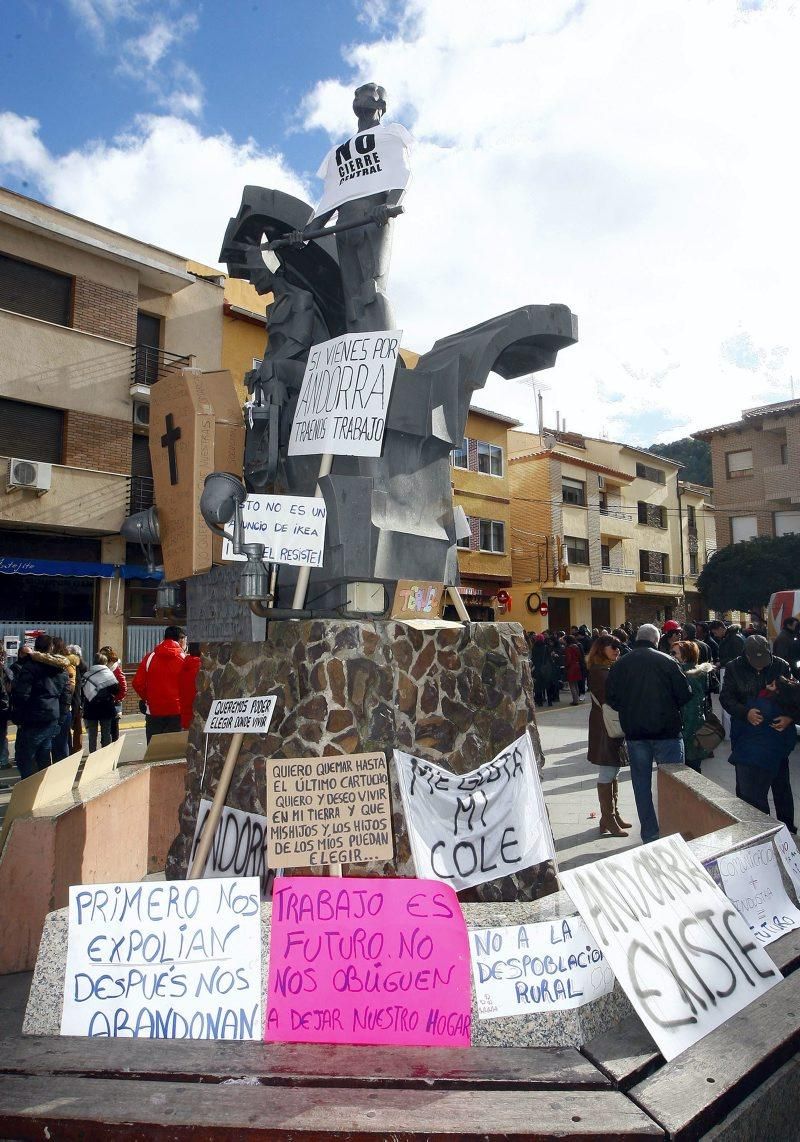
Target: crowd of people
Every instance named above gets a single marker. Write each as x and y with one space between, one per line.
51 694
650 691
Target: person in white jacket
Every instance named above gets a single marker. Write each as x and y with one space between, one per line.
99 690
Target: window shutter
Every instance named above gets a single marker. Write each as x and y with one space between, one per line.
35 291
31 431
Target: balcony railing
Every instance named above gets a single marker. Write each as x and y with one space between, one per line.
617 571
150 364
615 513
658 577
140 494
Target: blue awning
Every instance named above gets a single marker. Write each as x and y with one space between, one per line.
19 565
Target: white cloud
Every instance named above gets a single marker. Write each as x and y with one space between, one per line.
163 182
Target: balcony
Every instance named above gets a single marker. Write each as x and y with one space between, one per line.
149 364
781 482
80 500
617 571
140 494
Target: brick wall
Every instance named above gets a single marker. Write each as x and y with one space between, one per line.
97 442
104 310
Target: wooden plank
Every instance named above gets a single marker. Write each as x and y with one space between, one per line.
70 1108
626 1052
301 1064
700 1086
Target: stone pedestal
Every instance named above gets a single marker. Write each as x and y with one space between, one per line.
454 696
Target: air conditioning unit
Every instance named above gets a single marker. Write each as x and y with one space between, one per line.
31 474
601 482
141 414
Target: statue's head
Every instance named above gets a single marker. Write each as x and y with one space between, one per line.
369 97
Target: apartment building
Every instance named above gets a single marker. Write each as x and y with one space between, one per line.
89 320
756 466
480 475
600 533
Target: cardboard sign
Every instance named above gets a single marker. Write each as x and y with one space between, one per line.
680 950
239 847
240 715
345 393
291 528
370 162
328 810
367 961
153 960
102 762
413 600
219 390
752 882
468 828
551 966
787 851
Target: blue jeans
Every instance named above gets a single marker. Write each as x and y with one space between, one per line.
32 750
62 742
641 755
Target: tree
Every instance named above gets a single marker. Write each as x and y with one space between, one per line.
744 575
695 455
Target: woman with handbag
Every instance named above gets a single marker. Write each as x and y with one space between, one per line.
606 752
695 712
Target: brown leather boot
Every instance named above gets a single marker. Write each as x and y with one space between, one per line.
607 822
614 795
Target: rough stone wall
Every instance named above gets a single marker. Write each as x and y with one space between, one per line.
456 697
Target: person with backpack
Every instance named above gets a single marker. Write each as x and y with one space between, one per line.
99 691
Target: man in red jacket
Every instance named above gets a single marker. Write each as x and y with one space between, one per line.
158 683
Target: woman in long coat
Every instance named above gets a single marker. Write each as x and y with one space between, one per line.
608 754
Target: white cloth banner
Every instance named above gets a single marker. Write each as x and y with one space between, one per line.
291 528
344 396
753 884
239 847
680 950
370 162
154 960
467 828
524 970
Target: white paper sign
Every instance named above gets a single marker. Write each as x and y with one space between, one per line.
551 966
787 851
468 828
164 960
240 715
370 162
345 393
752 882
239 847
291 528
680 950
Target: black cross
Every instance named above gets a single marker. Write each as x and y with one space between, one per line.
168 441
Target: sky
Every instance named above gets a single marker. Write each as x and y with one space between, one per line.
635 161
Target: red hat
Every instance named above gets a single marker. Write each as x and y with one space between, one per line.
669 626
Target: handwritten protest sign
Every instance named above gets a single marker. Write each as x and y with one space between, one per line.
680 950
551 966
415 600
752 882
787 851
239 847
328 810
468 828
291 528
240 715
344 396
368 961
176 960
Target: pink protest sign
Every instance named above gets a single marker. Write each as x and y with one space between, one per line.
368 961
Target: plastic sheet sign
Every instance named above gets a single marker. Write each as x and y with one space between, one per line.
240 715
291 528
175 960
680 950
753 883
328 810
368 961
468 828
239 847
530 968
344 396
787 851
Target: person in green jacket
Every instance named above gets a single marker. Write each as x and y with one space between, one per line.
697 675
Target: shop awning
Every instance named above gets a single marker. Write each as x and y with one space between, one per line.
67 568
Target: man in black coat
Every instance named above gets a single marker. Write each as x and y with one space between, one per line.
787 644
648 689
38 684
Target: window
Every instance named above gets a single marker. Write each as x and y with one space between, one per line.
577 551
490 459
784 453
691 517
605 557
31 431
692 562
35 291
653 567
739 463
603 499
573 491
787 523
651 514
743 527
492 536
465 543
458 457
645 472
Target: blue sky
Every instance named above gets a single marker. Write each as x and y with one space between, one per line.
634 161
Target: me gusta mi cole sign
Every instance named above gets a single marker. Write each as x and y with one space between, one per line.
341 409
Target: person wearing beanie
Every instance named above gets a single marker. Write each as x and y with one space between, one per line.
648 690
